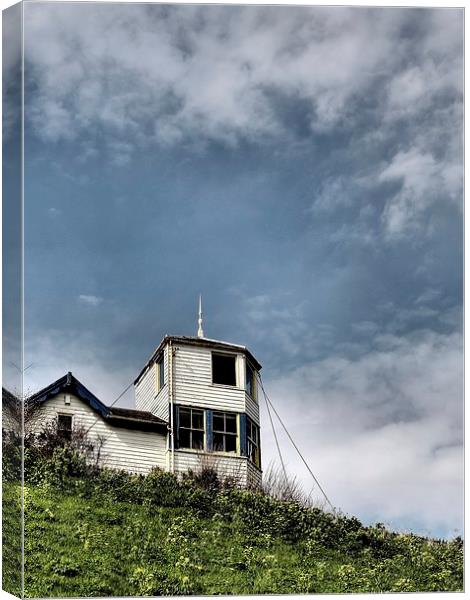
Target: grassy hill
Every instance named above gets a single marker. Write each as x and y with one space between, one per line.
93 532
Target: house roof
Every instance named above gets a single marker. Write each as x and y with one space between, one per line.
9 399
120 417
201 342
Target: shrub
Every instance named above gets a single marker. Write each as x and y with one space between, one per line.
63 469
11 456
206 478
161 488
120 486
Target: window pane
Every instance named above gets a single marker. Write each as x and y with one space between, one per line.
218 441
198 419
64 422
218 422
198 440
161 373
184 438
231 423
231 443
64 426
185 417
254 433
252 430
223 369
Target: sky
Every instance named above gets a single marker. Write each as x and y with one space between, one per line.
301 167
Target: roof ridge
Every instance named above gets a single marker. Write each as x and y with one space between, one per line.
69 382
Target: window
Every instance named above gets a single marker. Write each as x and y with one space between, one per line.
252 435
64 426
223 369
225 432
250 383
160 373
191 428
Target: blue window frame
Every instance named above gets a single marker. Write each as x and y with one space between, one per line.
208 430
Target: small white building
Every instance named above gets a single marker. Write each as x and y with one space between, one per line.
196 406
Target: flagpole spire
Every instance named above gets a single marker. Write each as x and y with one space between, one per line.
200 332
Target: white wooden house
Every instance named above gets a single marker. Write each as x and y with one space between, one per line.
196 406
207 391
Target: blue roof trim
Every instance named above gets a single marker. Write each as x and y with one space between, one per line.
85 395
128 418
69 383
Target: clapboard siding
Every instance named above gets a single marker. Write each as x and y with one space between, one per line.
237 467
161 406
130 449
146 397
145 390
192 385
193 381
252 408
253 475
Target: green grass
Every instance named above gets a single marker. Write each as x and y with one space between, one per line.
96 546
11 538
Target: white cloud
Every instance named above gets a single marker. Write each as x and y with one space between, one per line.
171 74
383 433
90 299
133 77
423 181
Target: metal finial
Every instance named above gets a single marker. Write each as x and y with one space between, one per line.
200 332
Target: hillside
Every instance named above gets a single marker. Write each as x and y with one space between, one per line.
103 533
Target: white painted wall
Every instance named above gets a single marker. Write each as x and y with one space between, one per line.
193 383
147 397
139 451
192 386
238 467
130 449
252 408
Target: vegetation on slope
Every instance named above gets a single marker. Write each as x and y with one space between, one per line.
12 522
92 532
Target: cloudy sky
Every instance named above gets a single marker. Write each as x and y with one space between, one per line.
302 168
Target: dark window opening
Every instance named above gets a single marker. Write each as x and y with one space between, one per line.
191 428
225 432
64 426
161 373
223 369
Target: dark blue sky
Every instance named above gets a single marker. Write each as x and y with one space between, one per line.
302 169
